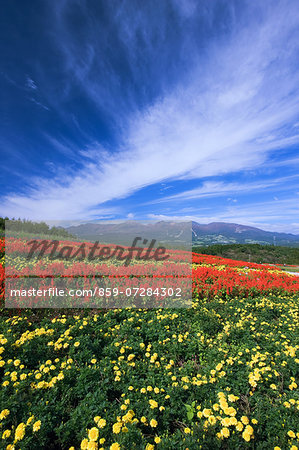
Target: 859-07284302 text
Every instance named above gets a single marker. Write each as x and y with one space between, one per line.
99 292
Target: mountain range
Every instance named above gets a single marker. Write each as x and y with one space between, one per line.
163 231
227 233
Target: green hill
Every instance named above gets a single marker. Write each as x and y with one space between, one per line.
253 253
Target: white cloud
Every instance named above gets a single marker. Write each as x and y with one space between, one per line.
264 215
39 104
31 84
220 189
217 121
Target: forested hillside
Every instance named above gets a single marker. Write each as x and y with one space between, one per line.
253 253
20 227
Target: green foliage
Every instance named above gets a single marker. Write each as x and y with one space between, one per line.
41 229
253 253
181 359
190 411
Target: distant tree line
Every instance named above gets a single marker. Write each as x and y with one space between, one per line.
253 253
27 226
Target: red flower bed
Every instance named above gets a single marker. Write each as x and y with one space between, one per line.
211 275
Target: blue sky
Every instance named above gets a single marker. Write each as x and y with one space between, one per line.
162 109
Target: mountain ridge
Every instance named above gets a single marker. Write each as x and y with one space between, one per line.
202 234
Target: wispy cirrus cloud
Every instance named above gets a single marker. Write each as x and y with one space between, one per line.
221 189
264 215
226 109
31 84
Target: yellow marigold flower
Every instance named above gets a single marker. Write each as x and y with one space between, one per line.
102 440
76 344
212 420
206 412
84 444
93 434
249 429
277 448
291 434
20 432
225 432
72 448
246 436
93 361
36 426
225 421
239 426
245 420
92 445
143 390
153 423
223 403
124 429
116 427
115 446
231 411
149 447
157 440
187 430
143 419
153 404
127 418
101 423
233 421
254 421
294 447
6 434
4 413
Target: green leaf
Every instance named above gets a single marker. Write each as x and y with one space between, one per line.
190 415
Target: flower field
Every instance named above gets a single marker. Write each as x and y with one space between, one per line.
219 375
